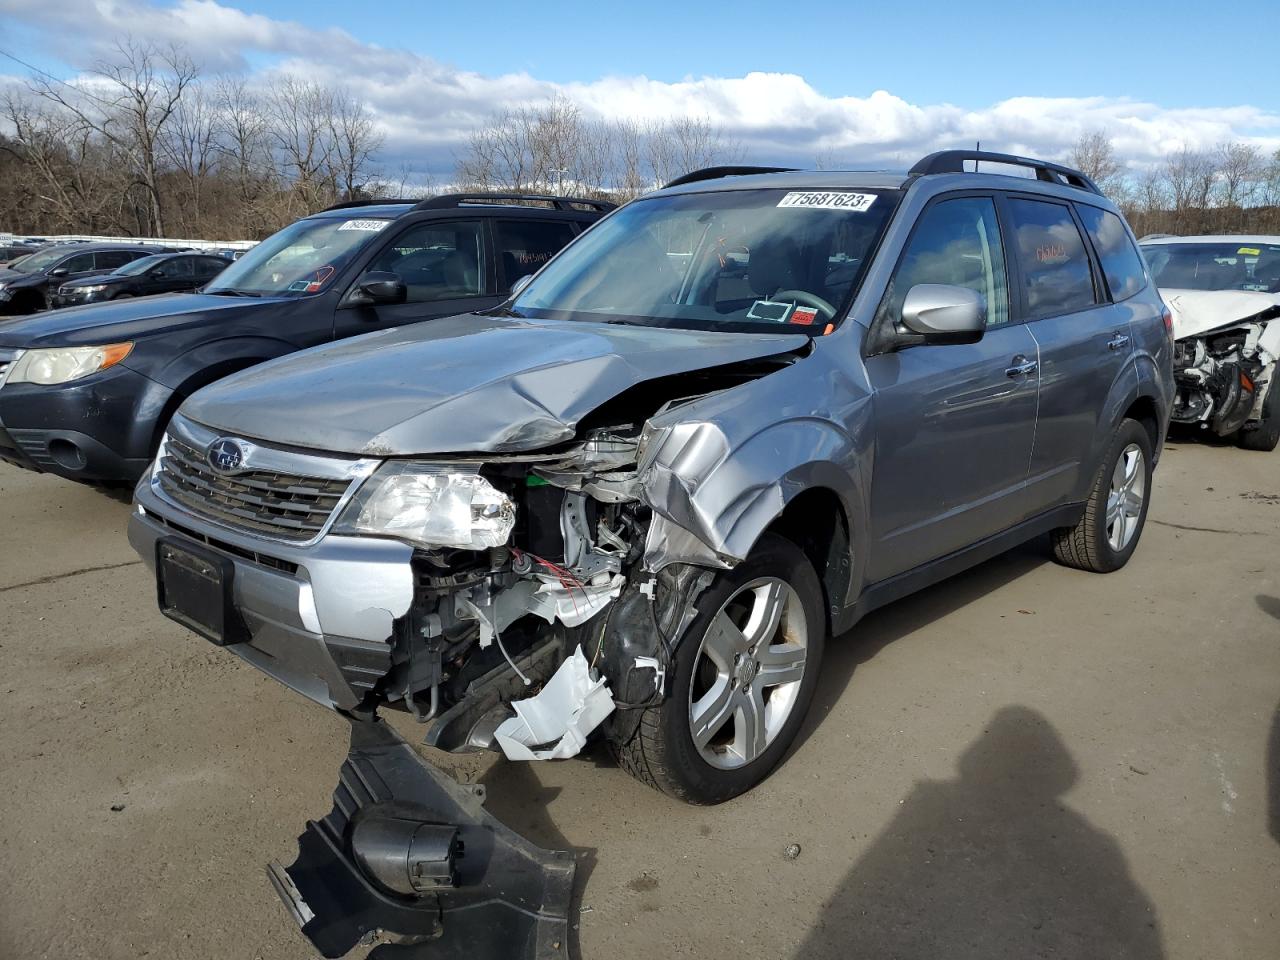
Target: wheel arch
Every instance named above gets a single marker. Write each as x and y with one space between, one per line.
194 376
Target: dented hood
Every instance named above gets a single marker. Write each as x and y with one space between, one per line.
462 384
1197 312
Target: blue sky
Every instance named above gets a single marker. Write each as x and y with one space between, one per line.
791 82
970 54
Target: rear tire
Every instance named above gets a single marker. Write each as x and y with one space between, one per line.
744 675
1265 436
1114 515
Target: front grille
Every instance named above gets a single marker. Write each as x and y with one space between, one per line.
6 361
281 505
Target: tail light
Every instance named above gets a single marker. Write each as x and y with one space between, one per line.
1168 321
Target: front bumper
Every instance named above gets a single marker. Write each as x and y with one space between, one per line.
319 618
499 896
94 429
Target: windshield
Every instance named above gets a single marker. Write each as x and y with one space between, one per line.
141 265
1237 265
40 260
730 260
301 259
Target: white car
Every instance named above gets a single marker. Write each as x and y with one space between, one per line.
1224 293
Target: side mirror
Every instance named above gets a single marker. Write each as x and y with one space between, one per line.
517 288
157 274
945 313
59 272
380 287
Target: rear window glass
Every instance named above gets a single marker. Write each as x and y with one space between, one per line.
1056 275
525 245
1121 263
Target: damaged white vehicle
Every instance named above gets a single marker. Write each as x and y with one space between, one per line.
633 502
1224 293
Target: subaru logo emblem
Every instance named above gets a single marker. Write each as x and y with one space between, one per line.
225 455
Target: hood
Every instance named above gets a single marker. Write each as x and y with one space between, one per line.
462 384
1197 312
16 276
109 322
97 280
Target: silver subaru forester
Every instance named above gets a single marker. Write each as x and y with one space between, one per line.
638 498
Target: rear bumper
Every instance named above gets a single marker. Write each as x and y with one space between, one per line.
501 896
319 619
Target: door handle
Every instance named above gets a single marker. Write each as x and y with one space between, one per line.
1118 342
1022 367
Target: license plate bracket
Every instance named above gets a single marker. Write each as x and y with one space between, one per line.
194 587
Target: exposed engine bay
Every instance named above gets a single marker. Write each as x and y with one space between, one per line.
580 563
1226 349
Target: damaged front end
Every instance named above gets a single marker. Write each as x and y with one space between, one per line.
515 602
1226 348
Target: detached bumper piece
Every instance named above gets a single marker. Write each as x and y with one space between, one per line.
409 853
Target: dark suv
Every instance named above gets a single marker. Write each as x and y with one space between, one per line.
637 498
86 392
28 287
159 273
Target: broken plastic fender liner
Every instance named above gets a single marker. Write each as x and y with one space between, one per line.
511 898
558 719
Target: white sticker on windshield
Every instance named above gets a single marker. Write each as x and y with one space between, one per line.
818 200
367 226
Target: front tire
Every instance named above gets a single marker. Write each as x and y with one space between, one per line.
1265 435
1114 515
744 677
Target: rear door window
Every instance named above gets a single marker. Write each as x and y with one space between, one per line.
525 245
1057 277
1121 263
111 259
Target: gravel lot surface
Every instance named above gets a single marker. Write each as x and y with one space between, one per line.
1025 761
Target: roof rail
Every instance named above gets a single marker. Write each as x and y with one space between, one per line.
375 202
449 200
715 173
953 161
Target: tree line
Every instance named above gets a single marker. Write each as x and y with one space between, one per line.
144 144
1231 188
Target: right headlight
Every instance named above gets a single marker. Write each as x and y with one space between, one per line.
430 505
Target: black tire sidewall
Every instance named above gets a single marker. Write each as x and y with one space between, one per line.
1129 431
698 780
1265 436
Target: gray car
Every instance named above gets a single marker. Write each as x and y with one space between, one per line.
721 426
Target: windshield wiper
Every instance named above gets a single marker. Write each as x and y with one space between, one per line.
232 292
507 312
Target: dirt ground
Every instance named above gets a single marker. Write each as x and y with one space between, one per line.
1023 762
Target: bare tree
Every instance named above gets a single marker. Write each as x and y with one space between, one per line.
1094 155
129 100
191 146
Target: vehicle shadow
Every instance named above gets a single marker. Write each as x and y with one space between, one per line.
1271 606
845 653
516 796
991 865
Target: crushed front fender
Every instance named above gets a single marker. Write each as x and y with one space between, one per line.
409 854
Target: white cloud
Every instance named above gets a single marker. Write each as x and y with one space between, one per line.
426 107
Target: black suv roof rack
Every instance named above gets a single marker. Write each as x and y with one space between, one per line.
953 161
715 173
375 202
448 200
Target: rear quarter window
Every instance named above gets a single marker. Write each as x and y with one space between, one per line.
1056 274
1121 263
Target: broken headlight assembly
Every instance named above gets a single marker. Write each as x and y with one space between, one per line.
430 506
